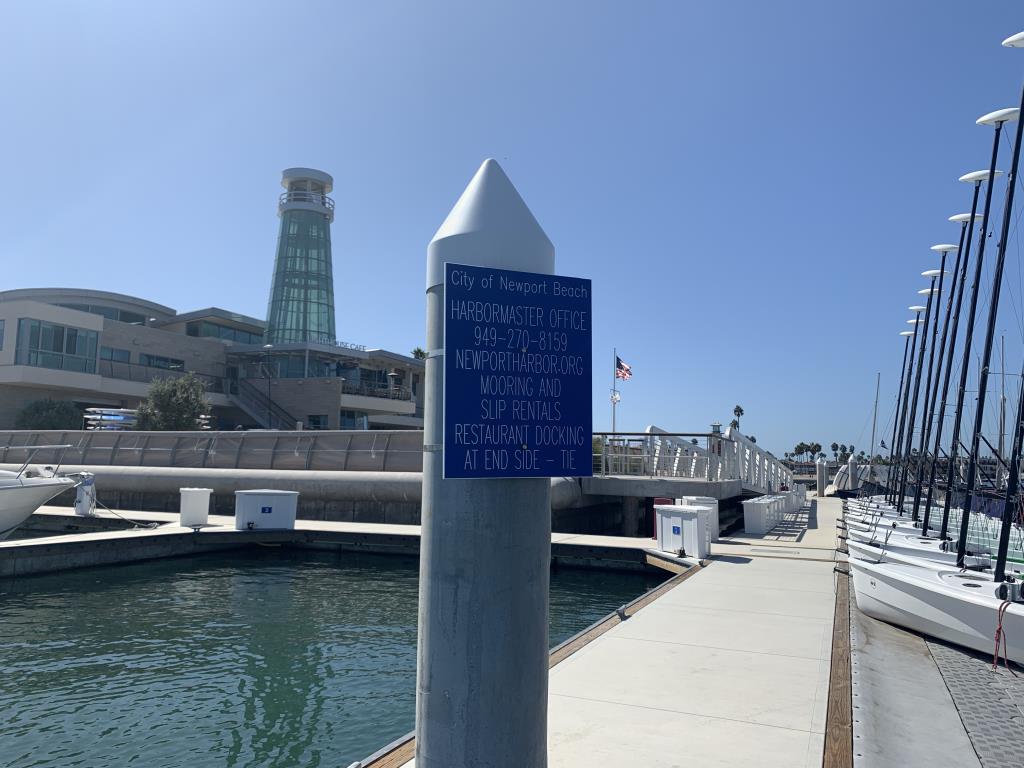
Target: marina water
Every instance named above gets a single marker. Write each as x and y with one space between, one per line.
272 658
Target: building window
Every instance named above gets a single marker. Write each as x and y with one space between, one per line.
47 345
318 421
166 363
217 331
354 420
111 313
117 355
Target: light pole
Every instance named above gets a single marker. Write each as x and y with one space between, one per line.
266 371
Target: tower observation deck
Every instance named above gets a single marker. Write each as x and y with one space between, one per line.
301 306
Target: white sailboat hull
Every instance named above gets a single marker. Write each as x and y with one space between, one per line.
920 558
21 497
937 603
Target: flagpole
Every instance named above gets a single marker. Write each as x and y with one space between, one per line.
615 366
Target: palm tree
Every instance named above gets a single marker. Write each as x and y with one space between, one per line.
419 353
735 424
752 439
835 450
738 413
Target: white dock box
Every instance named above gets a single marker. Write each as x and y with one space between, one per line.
714 526
670 527
265 510
757 515
684 528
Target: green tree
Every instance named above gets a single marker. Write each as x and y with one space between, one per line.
419 353
835 450
752 439
737 411
174 404
735 424
49 414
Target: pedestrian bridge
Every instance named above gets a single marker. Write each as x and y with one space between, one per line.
386 466
656 463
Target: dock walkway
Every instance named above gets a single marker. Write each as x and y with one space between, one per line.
730 668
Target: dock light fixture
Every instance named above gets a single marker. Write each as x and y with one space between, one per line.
945 247
963 218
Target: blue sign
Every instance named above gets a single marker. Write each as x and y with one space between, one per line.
266 510
517 373
676 530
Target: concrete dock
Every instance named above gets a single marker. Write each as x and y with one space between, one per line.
105 539
758 656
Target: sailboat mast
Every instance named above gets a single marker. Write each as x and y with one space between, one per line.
1002 399
874 418
905 408
990 331
1010 504
965 365
956 287
896 415
929 399
913 403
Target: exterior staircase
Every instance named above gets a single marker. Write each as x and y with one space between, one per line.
264 411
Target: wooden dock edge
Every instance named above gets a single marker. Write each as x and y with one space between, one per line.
402 750
838 752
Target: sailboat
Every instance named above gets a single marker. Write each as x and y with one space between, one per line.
971 597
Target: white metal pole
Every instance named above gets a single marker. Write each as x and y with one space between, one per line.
485 552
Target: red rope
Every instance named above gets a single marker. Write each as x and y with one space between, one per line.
1001 635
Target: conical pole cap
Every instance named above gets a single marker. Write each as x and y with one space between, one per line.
490 226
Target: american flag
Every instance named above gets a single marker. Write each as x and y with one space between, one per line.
623 370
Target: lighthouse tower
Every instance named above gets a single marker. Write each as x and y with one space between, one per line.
301 307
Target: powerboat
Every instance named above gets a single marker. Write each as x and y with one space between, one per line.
24 491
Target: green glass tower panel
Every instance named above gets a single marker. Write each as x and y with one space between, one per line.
301 307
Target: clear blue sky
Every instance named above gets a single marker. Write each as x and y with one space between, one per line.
752 186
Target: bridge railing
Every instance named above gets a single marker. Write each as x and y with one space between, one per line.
655 453
689 455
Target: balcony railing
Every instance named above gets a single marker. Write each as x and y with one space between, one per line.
299 196
377 390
